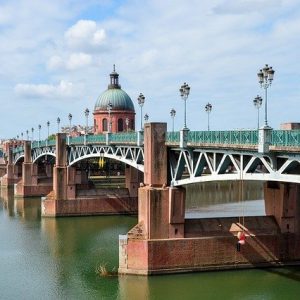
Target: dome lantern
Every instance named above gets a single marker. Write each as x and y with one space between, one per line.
114 80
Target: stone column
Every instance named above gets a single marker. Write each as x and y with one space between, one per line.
60 168
161 208
282 200
71 179
9 178
27 167
133 178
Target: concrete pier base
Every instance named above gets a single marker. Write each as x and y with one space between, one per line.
107 202
32 191
208 245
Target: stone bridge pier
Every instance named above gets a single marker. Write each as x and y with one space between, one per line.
164 241
31 185
73 195
12 175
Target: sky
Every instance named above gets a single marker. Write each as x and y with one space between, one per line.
56 56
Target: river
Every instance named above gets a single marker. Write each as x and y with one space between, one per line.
48 258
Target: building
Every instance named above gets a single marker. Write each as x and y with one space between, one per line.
290 126
114 110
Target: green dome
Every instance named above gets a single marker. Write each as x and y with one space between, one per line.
117 97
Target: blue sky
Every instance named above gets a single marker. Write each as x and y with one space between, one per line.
56 56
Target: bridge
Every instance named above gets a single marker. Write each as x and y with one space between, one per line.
208 155
160 163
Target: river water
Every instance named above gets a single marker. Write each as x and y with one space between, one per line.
48 258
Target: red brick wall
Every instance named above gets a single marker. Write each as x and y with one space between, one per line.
83 207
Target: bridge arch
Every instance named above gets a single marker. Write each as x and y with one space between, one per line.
39 156
129 162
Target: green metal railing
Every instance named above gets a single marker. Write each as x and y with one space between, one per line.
99 138
286 138
78 140
128 137
173 137
280 138
249 137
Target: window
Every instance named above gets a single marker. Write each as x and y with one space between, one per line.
120 125
104 125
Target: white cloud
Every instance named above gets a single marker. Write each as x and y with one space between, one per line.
85 34
55 62
63 89
78 60
73 62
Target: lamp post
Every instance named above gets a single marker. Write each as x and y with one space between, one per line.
70 123
39 128
109 108
27 135
48 125
127 123
208 108
257 103
17 137
146 117
58 121
265 78
141 101
184 93
86 113
173 114
32 131
22 136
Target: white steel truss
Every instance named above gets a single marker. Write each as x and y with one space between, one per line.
197 165
131 155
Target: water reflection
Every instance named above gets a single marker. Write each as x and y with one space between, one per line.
224 199
56 258
7 196
133 287
28 208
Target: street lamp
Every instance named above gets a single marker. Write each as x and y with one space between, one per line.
146 117
27 135
39 127
48 125
22 136
141 101
58 121
70 121
32 130
109 108
86 113
184 93
127 123
208 108
257 103
265 78
173 114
